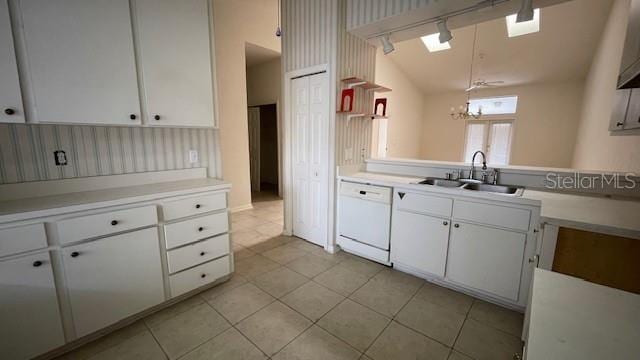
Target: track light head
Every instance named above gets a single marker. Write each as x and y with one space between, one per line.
526 11
445 34
387 46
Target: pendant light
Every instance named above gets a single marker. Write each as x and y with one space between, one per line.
464 113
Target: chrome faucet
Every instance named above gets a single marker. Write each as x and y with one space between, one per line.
473 160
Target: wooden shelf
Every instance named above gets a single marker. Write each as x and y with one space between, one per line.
352 82
354 114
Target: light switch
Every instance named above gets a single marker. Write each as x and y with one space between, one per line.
193 156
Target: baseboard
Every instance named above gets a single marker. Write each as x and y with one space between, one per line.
241 208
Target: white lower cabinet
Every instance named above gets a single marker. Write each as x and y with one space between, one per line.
486 259
28 307
422 242
112 278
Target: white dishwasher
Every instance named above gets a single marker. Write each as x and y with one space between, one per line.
364 220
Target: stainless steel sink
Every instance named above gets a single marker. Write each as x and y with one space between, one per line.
502 189
441 182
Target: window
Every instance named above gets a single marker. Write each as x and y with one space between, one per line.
493 137
495 105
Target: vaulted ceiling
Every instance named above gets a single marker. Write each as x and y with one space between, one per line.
561 51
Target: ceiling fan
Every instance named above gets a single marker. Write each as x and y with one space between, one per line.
483 83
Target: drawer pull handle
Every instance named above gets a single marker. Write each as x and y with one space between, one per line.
200 229
202 253
203 276
198 206
37 263
456 225
75 254
114 222
445 223
9 111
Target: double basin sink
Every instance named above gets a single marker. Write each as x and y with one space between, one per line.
472 185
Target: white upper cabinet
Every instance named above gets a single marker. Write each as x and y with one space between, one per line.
11 109
175 57
80 60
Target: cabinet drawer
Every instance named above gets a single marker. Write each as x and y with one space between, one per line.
198 276
194 205
194 254
188 231
503 216
19 239
424 204
86 227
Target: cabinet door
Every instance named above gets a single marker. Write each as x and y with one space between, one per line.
29 313
11 110
632 120
81 61
419 241
113 278
176 61
486 259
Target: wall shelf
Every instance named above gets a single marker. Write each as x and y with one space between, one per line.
353 82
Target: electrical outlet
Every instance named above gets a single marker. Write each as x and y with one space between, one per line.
193 156
60 158
348 153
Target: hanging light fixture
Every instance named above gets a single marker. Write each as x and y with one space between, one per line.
387 46
278 29
445 34
464 112
526 11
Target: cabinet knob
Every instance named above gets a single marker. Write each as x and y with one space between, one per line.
198 206
37 263
9 111
203 276
75 254
456 225
157 117
202 253
114 222
445 223
133 116
618 124
200 228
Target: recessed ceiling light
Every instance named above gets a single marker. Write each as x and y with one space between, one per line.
522 28
433 44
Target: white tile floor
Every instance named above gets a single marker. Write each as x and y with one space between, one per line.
291 300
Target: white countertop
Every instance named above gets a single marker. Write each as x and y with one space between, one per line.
14 210
597 214
574 319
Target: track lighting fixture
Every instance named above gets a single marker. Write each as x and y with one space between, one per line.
387 46
526 11
445 34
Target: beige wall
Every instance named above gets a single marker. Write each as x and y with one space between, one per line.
544 132
263 83
237 22
404 108
596 149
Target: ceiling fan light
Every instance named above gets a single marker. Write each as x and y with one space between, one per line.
445 34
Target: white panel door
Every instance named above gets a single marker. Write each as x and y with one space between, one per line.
176 61
254 146
29 316
112 278
420 241
486 259
11 110
81 61
310 134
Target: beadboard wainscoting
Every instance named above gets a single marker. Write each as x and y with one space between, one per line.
27 151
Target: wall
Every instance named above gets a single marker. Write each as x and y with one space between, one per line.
26 151
263 83
544 132
404 109
596 149
237 22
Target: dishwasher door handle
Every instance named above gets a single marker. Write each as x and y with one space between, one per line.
362 192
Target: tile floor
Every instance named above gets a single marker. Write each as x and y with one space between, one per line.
291 300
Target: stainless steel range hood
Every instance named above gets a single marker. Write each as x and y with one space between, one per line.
630 65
